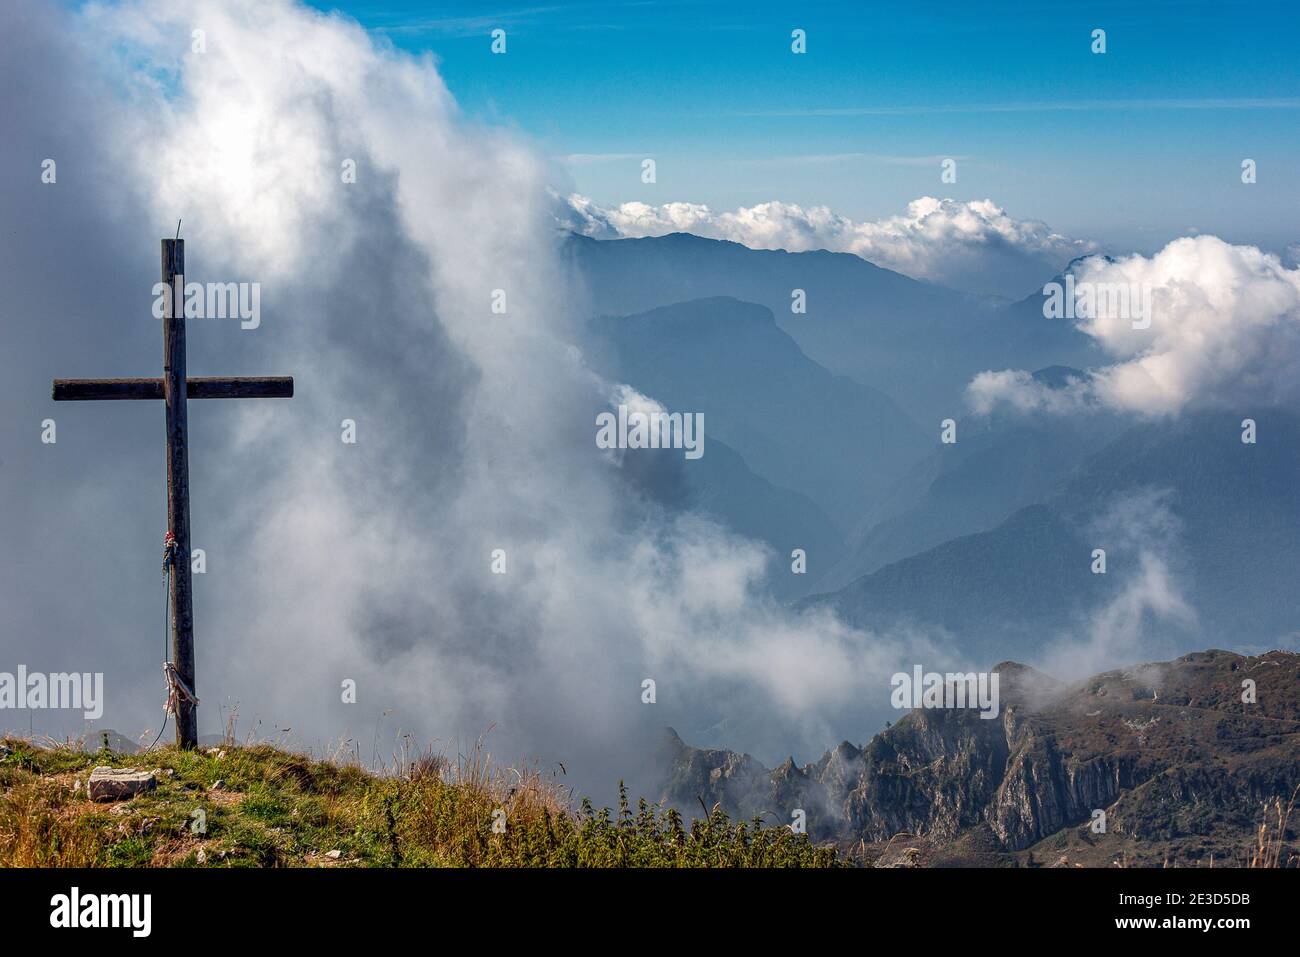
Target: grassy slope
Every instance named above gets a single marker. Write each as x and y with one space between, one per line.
273 808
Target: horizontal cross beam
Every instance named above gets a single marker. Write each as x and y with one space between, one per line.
196 387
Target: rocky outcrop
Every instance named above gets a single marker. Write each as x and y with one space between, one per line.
1168 752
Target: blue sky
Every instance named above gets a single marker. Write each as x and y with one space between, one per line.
1131 147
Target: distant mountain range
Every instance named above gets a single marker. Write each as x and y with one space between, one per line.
1000 463
917 342
1231 547
827 429
827 437
1157 764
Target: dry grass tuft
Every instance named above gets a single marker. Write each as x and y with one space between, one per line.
1270 846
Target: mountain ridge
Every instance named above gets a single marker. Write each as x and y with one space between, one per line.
1168 754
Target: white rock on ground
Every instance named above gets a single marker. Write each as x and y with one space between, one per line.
115 784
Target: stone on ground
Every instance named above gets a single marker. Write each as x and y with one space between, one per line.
116 784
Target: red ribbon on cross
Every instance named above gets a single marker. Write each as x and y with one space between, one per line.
169 549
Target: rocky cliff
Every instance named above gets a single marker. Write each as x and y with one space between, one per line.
1181 767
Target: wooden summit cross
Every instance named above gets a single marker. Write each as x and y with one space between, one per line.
168 388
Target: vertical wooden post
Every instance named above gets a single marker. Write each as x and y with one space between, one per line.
178 482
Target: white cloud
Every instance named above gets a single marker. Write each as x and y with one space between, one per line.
1224 333
1140 527
974 246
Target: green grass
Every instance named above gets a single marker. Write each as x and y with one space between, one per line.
277 809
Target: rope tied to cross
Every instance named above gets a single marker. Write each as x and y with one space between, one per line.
177 689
